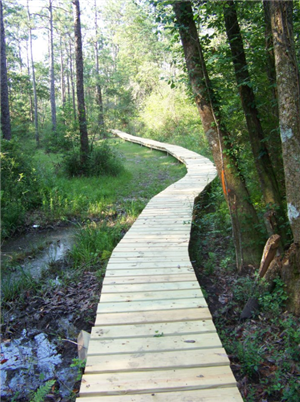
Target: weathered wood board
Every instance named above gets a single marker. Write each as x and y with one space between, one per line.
154 339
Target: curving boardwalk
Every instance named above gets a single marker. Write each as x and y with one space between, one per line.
154 339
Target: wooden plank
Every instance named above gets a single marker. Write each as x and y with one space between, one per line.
145 263
154 338
148 287
152 295
147 272
159 381
151 305
159 316
154 344
158 360
152 329
229 394
113 280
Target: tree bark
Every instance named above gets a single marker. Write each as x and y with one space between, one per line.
52 79
274 143
36 121
72 80
267 177
62 76
84 145
99 100
271 73
5 113
288 87
243 215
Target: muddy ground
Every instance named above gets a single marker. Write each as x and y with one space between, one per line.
59 313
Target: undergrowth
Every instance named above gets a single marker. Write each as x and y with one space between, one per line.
264 350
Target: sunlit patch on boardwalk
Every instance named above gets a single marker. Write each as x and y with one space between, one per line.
154 339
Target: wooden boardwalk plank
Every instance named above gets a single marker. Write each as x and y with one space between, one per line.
229 394
158 381
153 329
154 339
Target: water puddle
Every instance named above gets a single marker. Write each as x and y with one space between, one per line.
40 249
29 360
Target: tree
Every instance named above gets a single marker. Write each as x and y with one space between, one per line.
5 113
99 101
52 82
267 177
36 124
288 87
84 144
235 191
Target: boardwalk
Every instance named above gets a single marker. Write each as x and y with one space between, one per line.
154 339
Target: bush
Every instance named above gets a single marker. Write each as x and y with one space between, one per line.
20 186
102 160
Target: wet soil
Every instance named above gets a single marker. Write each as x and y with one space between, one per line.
57 314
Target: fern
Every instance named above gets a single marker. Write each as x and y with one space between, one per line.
42 391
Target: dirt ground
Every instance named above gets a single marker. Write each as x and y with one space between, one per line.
59 313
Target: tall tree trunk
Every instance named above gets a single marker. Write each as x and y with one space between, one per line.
72 80
28 72
84 145
274 143
271 73
243 215
52 79
288 87
268 182
99 100
62 76
36 122
5 114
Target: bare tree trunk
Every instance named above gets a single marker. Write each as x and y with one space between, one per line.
84 145
36 122
5 113
288 86
99 100
243 215
268 182
271 73
62 76
28 72
72 80
52 82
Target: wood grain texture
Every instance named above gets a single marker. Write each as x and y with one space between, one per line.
154 339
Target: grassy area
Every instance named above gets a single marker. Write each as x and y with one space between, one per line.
103 208
146 173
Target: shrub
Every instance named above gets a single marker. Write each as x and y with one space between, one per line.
20 185
102 160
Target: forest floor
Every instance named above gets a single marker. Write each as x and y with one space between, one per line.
42 317
59 313
264 350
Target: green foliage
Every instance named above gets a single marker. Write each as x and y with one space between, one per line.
272 302
43 390
80 365
102 160
14 283
20 185
94 244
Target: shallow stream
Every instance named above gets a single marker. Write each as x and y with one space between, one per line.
31 359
